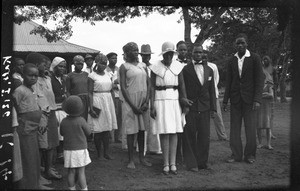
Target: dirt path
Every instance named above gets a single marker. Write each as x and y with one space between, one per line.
271 170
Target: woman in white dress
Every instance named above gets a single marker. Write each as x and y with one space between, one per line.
102 118
167 96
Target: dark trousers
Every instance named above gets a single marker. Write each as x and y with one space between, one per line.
196 137
238 112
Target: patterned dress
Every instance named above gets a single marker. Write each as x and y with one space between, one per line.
103 100
136 84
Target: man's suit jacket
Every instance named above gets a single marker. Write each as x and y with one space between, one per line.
203 96
249 86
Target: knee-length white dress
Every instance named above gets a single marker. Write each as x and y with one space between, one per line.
168 111
102 99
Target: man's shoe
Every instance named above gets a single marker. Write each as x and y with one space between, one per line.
231 160
250 160
204 167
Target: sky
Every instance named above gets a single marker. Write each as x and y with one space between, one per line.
108 36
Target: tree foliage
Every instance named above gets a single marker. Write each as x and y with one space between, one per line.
218 24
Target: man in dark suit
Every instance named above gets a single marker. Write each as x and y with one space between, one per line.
244 85
200 89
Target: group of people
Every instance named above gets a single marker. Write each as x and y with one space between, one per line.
163 107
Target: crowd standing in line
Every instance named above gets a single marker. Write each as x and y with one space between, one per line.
165 107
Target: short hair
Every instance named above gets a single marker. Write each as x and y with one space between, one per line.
35 58
198 45
28 66
15 60
111 54
180 42
242 35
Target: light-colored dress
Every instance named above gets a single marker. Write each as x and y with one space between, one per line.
102 99
136 85
168 112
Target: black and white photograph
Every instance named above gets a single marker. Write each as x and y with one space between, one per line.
123 95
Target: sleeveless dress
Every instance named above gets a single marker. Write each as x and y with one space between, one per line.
136 85
102 99
168 112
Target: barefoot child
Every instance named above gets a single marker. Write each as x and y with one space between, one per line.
74 129
264 114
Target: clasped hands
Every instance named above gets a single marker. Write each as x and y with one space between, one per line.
140 110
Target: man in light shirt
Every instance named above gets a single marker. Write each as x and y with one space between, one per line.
218 120
244 86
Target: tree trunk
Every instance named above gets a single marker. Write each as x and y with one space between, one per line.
282 83
187 30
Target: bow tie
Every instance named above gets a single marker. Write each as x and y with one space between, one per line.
200 63
182 61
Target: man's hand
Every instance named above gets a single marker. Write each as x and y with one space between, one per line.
225 107
213 114
186 102
185 110
144 107
153 112
256 105
42 129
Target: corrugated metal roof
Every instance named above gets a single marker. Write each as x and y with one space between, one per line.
26 42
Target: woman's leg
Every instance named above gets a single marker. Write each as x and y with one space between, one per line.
97 141
105 136
130 141
173 148
82 178
164 139
71 178
269 136
49 165
141 145
259 138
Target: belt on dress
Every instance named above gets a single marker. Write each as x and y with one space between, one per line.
101 91
160 88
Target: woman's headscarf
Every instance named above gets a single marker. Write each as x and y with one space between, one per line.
55 62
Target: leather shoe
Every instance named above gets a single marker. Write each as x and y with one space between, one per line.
250 160
231 160
166 170
205 167
173 169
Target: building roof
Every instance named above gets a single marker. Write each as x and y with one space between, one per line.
26 42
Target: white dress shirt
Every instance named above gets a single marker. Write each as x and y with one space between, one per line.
241 60
199 71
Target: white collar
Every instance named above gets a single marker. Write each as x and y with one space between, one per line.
247 54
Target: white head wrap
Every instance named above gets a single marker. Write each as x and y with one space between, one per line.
55 62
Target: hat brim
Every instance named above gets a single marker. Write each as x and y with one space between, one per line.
146 53
162 53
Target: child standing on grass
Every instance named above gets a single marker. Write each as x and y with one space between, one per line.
264 114
75 129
